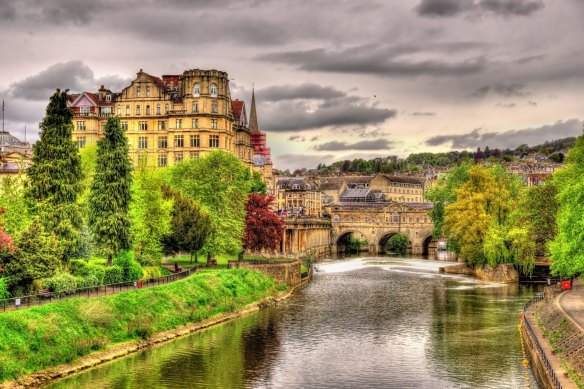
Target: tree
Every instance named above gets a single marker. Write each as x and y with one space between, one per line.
37 255
263 228
219 182
258 184
6 241
150 213
191 226
55 175
110 195
12 199
566 249
479 155
397 243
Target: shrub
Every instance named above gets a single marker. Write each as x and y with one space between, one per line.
398 244
87 281
151 272
3 289
60 282
85 269
113 275
131 268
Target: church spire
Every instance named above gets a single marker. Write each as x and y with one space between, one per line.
253 117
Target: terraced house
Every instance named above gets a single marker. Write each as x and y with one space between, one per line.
167 119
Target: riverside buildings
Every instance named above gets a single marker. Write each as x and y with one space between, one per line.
171 118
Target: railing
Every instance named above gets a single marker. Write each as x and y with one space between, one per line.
16 303
544 359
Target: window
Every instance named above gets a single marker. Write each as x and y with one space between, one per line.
143 142
214 107
158 109
162 160
137 91
143 125
178 157
147 91
195 123
125 126
178 123
195 141
213 89
81 142
161 125
214 141
108 97
162 142
395 217
147 110
196 106
213 123
81 126
119 110
142 159
166 109
137 110
127 110
194 154
196 89
179 141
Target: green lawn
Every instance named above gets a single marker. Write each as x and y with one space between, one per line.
185 260
37 338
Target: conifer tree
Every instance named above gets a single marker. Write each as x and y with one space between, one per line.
55 175
110 195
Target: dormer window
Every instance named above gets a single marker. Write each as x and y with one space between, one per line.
196 89
295 186
213 89
108 97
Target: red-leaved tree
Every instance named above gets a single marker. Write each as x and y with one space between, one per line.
263 228
6 241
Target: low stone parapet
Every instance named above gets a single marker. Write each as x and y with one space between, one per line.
504 273
285 272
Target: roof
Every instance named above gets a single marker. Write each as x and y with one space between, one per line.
238 107
8 140
159 83
403 180
355 193
331 185
294 183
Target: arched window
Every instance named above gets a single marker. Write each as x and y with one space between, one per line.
147 110
166 109
137 110
196 89
213 89
214 107
158 109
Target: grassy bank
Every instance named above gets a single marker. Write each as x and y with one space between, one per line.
37 338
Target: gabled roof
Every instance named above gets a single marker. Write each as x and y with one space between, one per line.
238 107
403 180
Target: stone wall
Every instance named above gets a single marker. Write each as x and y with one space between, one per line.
285 272
504 273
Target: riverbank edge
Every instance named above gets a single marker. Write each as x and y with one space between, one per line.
117 351
502 273
530 341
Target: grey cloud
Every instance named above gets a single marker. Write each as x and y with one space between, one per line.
511 138
7 11
376 60
376 144
70 11
506 105
514 89
303 91
532 103
297 138
298 161
449 8
423 114
531 58
72 75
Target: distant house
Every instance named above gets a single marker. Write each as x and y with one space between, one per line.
15 155
299 196
399 189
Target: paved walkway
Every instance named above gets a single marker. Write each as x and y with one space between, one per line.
572 304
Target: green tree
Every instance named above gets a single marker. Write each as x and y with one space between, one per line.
219 182
12 198
191 226
258 184
37 256
150 212
110 195
566 249
55 175
398 244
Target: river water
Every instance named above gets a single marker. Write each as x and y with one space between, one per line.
361 323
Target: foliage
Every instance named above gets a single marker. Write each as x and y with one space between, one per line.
6 242
219 182
85 249
69 329
191 226
3 289
55 175
37 255
566 249
131 269
151 214
398 244
257 185
109 198
85 269
88 155
478 219
12 198
263 228
61 282
113 275
151 272
443 193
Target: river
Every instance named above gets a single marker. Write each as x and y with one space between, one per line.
361 323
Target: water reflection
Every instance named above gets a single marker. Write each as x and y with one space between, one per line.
369 322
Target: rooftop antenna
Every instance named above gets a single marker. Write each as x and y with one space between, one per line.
25 133
2 115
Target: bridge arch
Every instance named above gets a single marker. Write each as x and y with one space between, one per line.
426 245
340 242
384 237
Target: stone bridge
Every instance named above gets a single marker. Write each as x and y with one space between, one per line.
306 236
377 222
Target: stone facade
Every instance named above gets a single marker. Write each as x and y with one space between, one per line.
15 155
299 196
285 272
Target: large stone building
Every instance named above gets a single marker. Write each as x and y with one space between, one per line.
399 189
299 196
168 119
15 155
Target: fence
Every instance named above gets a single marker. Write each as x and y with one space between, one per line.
15 303
543 357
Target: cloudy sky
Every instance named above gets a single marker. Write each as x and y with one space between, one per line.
334 79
